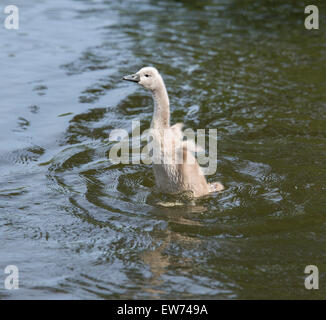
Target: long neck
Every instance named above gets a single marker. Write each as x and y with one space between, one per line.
161 117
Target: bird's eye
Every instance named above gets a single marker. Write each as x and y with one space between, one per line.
146 75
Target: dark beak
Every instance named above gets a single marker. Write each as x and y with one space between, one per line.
132 77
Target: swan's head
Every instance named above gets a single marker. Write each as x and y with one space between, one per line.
148 77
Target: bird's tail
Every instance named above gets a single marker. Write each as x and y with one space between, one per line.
216 187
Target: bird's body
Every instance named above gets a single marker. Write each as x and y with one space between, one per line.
175 168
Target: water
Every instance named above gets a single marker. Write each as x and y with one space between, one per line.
78 226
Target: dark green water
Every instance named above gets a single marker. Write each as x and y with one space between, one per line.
78 226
